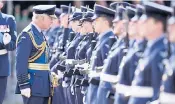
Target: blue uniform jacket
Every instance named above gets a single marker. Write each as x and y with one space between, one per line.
127 69
101 50
99 54
69 52
168 83
111 67
92 46
148 72
82 48
130 62
167 89
7 25
63 39
52 35
37 80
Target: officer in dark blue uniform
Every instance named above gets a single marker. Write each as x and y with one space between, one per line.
53 31
91 42
69 54
7 43
80 54
167 89
147 79
113 61
86 30
53 34
87 20
65 30
33 74
102 24
129 63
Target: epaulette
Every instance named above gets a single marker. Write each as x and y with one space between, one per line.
27 29
41 48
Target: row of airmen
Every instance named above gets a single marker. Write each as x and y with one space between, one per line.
126 65
117 55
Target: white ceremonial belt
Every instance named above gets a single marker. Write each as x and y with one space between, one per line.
123 89
94 74
69 61
109 78
3 51
141 91
167 98
85 66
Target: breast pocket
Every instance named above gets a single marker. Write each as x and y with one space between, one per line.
38 83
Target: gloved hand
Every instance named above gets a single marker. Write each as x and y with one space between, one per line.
60 74
26 92
54 79
6 38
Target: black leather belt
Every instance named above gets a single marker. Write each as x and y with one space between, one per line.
94 81
85 82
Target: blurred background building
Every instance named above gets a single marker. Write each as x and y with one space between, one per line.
22 10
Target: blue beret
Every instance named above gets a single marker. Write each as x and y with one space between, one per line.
101 10
58 12
65 9
139 11
88 16
119 14
156 11
45 9
114 4
76 16
130 12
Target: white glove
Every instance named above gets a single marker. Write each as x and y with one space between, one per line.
6 38
69 61
60 74
26 92
85 66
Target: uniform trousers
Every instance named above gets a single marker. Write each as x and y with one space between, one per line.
3 85
35 100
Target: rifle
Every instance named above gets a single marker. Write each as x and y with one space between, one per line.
69 12
168 42
126 28
112 40
71 36
66 30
